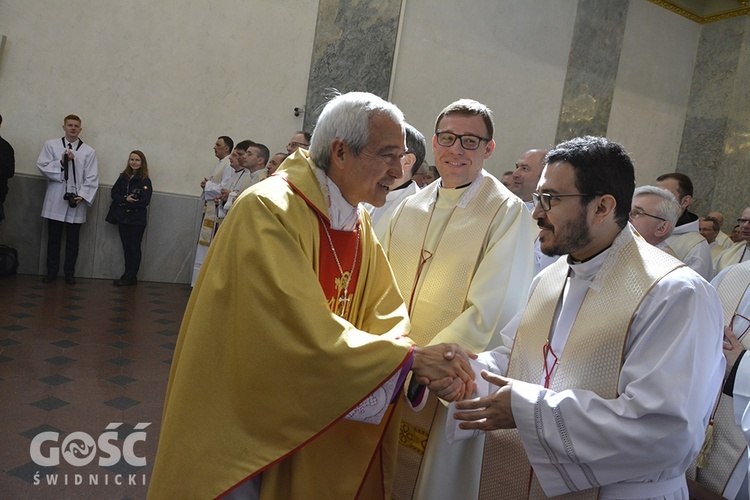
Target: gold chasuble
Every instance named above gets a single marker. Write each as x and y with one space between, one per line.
265 371
592 358
728 441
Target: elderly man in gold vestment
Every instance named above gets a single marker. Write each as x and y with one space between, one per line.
463 256
294 394
606 381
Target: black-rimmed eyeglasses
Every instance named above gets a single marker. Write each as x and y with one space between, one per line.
470 142
742 221
544 200
637 213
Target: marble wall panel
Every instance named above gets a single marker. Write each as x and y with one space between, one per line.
354 47
713 121
732 189
169 247
592 68
109 261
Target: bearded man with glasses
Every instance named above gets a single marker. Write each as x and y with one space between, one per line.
605 383
462 254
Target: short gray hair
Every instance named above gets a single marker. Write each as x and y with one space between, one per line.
668 208
347 117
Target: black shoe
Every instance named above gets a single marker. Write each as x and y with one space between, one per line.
49 278
70 280
126 281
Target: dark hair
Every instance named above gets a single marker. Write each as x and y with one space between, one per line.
227 141
262 150
72 117
1 119
601 167
468 107
243 145
144 165
415 144
684 184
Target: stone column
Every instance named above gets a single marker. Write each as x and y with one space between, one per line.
592 68
715 149
354 50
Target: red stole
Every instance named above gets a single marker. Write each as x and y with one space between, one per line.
329 275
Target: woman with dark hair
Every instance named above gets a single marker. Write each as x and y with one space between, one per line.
131 194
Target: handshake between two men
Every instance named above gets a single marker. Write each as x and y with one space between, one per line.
446 370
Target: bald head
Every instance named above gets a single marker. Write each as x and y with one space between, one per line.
718 216
527 173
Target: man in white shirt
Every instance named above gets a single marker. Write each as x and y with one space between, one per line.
608 377
210 189
686 242
72 175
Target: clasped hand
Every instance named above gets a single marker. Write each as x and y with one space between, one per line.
490 412
732 349
444 367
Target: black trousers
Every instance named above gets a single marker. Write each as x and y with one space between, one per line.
131 236
54 241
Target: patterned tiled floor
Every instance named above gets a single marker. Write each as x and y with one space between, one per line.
73 360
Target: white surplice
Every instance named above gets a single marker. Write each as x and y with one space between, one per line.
640 444
697 258
495 294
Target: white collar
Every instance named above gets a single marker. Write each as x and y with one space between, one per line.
342 215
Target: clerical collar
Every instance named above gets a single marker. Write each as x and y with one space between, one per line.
402 186
587 269
342 215
457 187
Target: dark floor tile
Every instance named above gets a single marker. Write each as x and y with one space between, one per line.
55 380
121 380
60 360
50 404
31 433
8 342
122 403
65 343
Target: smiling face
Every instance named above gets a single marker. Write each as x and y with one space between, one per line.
135 162
367 177
565 227
459 166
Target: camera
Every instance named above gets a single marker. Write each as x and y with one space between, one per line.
71 199
136 194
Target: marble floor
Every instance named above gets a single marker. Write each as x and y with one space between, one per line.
76 361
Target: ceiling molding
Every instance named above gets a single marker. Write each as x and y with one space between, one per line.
711 11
